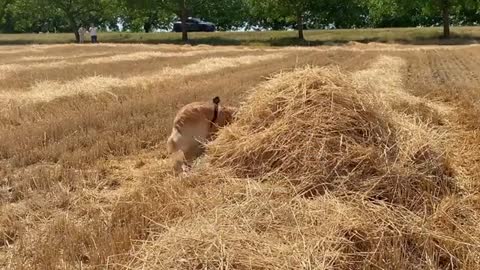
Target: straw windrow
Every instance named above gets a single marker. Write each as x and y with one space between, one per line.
324 171
316 130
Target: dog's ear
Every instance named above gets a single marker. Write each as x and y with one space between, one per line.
216 100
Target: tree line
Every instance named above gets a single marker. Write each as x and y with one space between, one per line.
19 16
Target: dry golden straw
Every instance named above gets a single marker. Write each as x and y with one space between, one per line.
322 170
48 90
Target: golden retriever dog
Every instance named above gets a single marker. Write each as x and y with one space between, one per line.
194 125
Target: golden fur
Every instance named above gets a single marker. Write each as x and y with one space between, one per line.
193 127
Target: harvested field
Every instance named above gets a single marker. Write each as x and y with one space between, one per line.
364 156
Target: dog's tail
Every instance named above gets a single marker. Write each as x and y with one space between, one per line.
216 101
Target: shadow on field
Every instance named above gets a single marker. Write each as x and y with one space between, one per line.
317 40
283 42
11 42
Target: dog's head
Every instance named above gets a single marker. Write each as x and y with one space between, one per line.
226 115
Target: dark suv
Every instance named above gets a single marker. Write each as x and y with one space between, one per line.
194 25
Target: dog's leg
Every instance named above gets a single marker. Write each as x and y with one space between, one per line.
173 141
175 146
190 142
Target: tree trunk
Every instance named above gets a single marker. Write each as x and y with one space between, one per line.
184 21
446 18
300 26
147 26
74 27
77 36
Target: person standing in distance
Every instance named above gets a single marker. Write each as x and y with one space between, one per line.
81 34
93 33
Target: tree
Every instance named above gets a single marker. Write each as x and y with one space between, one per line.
411 10
152 7
264 13
289 10
29 16
446 7
443 7
225 14
182 6
50 15
82 12
468 14
6 20
148 15
343 13
144 15
394 13
66 14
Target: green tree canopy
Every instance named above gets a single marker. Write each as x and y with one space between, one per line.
148 15
286 12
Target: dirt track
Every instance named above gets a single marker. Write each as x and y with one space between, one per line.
79 125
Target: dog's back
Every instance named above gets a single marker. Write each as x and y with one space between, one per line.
194 113
195 124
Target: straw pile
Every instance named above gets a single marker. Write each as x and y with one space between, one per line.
318 172
318 131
